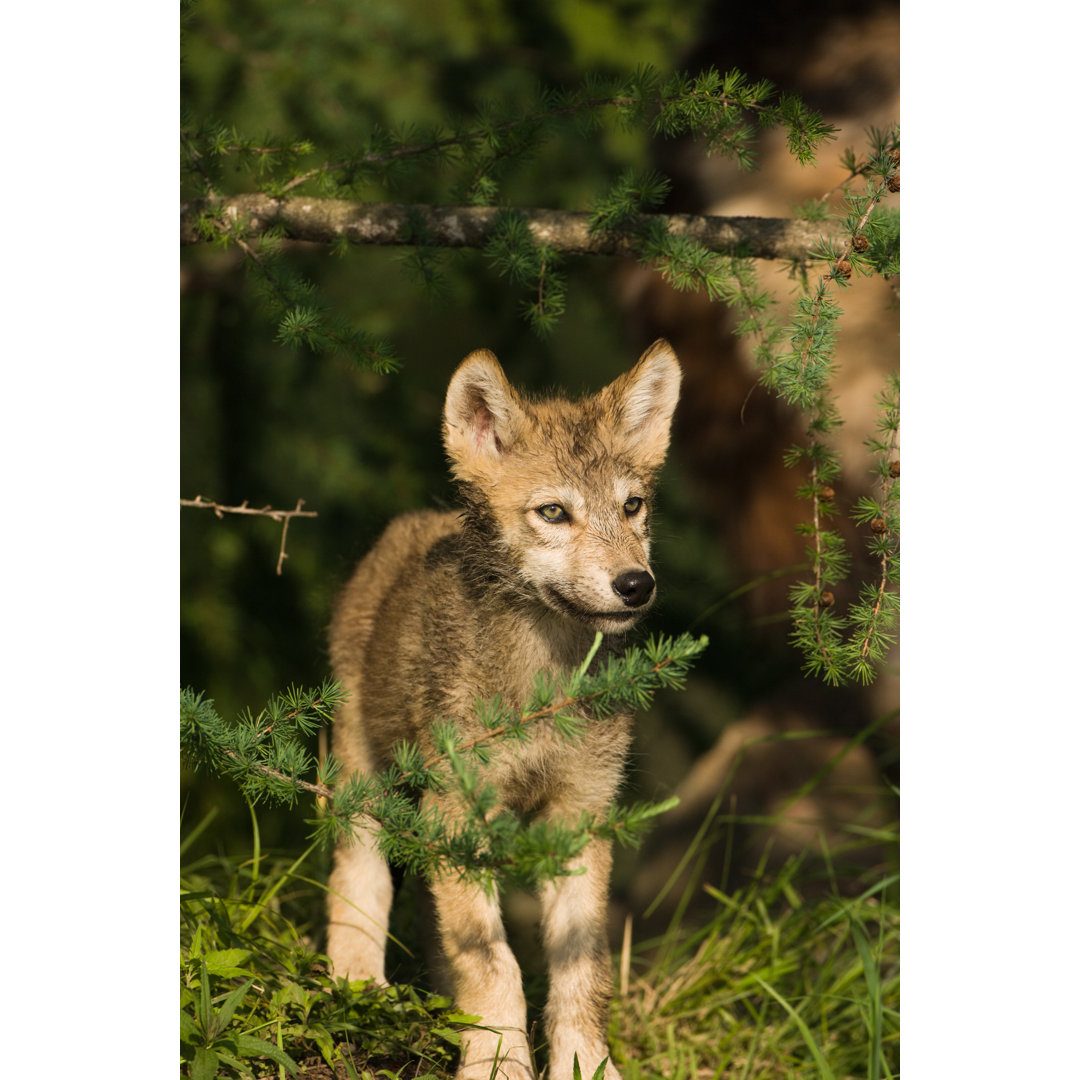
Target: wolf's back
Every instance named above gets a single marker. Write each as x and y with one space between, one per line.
397 559
387 606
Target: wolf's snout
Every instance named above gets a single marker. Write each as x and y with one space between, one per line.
634 587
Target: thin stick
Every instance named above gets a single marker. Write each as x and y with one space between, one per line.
624 960
284 516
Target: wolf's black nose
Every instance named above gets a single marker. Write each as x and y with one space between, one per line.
634 587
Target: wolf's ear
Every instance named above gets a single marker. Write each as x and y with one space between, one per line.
483 417
643 401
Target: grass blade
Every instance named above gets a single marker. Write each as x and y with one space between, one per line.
819 1058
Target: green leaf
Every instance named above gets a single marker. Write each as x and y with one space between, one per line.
230 1005
189 1028
449 1034
253 1046
204 1064
204 1010
455 1017
224 963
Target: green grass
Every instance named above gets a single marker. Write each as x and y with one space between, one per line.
771 985
772 980
256 998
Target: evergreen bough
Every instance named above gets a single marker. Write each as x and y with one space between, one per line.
265 755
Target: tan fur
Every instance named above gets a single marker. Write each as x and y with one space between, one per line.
450 608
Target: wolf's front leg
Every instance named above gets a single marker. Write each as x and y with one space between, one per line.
575 938
361 891
487 982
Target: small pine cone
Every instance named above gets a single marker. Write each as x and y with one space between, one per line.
878 525
843 269
860 243
894 469
827 599
894 183
895 156
827 493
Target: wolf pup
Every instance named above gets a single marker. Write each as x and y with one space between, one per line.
551 546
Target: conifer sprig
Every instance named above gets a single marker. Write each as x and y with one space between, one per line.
209 147
264 753
722 109
882 142
725 111
304 320
484 842
841 647
514 253
838 648
801 374
874 616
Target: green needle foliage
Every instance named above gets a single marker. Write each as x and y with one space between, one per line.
265 755
841 647
468 160
514 254
472 155
632 194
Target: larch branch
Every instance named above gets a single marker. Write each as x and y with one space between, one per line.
327 220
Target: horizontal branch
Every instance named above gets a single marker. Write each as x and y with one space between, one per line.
243 508
326 220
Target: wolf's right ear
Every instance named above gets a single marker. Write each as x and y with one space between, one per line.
483 417
644 400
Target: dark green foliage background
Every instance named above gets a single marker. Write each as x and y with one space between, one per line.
270 425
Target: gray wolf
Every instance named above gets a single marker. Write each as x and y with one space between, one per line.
552 544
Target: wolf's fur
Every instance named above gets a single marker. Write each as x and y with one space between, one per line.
448 608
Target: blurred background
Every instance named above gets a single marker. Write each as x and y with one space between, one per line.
264 423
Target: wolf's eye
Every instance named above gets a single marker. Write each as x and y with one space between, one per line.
633 505
553 512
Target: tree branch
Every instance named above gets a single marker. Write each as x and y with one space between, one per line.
326 220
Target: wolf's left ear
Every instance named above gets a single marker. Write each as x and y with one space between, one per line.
643 401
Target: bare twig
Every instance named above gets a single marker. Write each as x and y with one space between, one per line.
284 516
816 487
624 958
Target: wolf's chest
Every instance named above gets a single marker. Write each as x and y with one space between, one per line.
551 768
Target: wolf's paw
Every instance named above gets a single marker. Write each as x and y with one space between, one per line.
496 1056
502 1069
